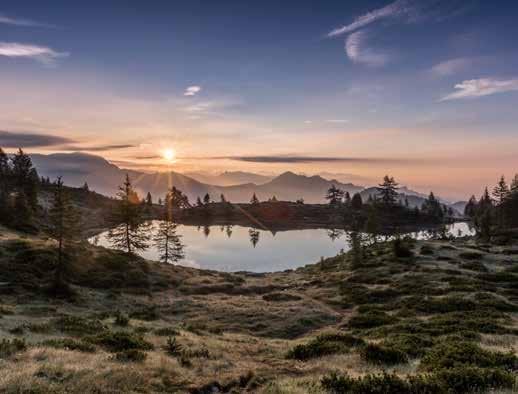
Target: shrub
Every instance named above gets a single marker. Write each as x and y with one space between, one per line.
426 250
172 347
167 332
461 354
10 347
147 314
371 319
401 249
120 341
473 380
77 325
383 354
368 384
69 344
471 255
323 345
413 345
121 320
130 355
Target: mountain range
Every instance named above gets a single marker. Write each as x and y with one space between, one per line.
105 178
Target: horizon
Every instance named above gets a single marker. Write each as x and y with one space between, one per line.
423 91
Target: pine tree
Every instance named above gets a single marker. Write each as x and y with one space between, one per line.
168 242
334 195
63 228
388 191
254 236
471 207
25 178
86 188
206 199
501 191
514 186
198 202
149 199
130 233
5 177
22 220
357 202
254 200
222 198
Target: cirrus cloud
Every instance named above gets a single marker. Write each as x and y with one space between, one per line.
44 55
358 52
192 91
474 88
6 20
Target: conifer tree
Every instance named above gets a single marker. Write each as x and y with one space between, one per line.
22 220
63 228
223 199
86 188
206 199
130 233
149 199
501 191
254 236
388 191
334 195
254 200
357 202
5 177
25 178
168 242
198 202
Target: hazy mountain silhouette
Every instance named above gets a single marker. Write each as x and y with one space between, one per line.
105 177
229 178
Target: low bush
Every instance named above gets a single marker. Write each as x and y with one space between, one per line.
401 249
371 319
120 341
121 320
324 345
130 355
147 314
453 381
413 345
77 325
383 354
10 347
172 347
167 332
452 354
70 344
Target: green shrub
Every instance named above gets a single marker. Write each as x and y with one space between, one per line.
167 332
147 314
371 319
130 355
452 381
120 341
77 325
413 345
121 320
460 354
382 354
401 249
323 345
10 347
172 347
69 344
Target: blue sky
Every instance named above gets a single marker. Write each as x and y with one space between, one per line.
409 87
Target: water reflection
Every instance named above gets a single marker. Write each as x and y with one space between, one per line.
244 249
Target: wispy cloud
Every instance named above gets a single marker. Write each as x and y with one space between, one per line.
192 91
397 8
306 159
44 55
97 148
6 20
450 67
409 11
337 121
358 52
10 139
481 87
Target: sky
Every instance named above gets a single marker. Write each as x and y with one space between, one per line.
426 91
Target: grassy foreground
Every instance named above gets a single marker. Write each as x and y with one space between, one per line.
442 318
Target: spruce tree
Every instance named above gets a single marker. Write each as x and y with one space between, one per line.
25 178
206 199
129 233
357 202
168 242
149 199
199 203
388 191
5 177
254 236
63 228
334 195
254 200
501 191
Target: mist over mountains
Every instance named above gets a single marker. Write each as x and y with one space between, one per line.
105 177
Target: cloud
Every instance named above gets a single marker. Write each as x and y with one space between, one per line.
359 53
44 55
192 91
98 148
337 121
10 139
303 159
6 20
481 87
450 67
410 11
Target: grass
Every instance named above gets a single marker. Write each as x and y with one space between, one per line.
183 330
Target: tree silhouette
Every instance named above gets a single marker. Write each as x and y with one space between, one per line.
168 242
254 236
130 233
254 200
334 195
388 191
206 199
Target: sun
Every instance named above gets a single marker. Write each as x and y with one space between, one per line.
168 154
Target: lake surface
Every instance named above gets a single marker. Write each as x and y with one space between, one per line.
236 248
